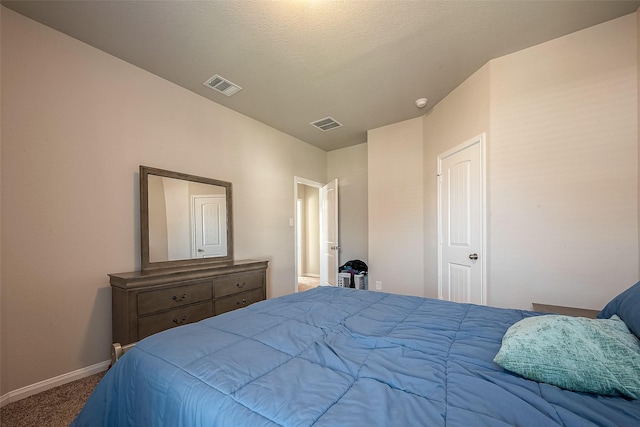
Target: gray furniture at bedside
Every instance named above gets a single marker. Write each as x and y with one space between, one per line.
144 303
567 311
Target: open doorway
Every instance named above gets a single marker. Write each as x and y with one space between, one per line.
307 234
316 232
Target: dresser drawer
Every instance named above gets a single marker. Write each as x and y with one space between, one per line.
164 299
238 283
150 325
240 300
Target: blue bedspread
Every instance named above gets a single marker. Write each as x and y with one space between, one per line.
339 357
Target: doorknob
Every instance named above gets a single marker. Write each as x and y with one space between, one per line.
200 250
473 256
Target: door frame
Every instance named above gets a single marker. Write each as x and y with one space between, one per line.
479 139
298 180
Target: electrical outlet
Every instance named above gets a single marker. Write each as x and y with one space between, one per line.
378 285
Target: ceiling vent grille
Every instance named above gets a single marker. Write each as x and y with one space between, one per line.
222 85
328 123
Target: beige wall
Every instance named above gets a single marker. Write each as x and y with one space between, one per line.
302 267
310 251
349 166
77 123
561 121
563 169
395 205
312 213
462 115
638 118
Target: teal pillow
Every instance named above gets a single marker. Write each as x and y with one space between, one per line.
575 353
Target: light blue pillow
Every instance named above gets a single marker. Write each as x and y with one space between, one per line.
575 353
627 307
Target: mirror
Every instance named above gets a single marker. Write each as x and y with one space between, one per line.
185 220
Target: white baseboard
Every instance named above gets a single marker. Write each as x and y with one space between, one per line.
41 386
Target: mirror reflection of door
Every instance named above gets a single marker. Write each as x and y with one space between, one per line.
208 217
180 230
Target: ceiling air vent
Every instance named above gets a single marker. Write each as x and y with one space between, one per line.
326 124
222 85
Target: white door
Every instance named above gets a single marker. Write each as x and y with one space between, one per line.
461 263
209 226
329 234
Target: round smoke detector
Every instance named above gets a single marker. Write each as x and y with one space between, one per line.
421 103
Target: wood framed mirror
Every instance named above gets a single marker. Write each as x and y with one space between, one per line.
185 220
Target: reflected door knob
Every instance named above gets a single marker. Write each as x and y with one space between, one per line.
473 256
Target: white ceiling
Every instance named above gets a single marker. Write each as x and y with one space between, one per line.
364 63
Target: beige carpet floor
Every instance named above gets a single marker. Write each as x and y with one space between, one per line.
56 407
305 283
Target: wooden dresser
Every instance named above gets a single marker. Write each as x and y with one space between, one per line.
144 303
567 311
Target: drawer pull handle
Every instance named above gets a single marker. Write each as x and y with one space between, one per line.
178 322
240 286
176 299
243 302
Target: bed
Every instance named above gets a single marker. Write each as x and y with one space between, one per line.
340 357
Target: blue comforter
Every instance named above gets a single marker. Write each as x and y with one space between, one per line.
339 357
